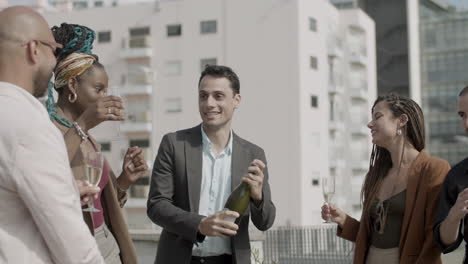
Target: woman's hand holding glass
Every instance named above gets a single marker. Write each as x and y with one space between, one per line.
87 191
108 108
334 214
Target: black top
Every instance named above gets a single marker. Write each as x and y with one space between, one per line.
455 182
395 210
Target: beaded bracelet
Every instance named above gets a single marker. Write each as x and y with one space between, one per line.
120 188
80 132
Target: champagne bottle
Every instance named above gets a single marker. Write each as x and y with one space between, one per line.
239 199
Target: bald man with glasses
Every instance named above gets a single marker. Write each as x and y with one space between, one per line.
40 211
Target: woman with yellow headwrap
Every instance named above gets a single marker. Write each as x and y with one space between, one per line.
81 83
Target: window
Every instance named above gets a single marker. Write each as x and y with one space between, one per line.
314 101
315 182
207 61
312 24
332 109
104 37
174 105
139 31
80 4
98 4
142 143
209 26
173 67
345 5
313 62
105 146
174 30
315 178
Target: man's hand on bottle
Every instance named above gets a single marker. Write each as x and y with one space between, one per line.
218 225
254 179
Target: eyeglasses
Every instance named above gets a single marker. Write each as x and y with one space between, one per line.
53 45
381 217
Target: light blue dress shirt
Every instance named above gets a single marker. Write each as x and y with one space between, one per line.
214 192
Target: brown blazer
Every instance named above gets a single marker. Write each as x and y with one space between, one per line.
417 245
112 201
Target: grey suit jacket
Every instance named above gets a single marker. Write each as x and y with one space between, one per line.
175 192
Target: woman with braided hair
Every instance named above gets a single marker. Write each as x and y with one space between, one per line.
81 83
400 191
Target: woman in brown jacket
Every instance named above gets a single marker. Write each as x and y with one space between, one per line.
81 83
400 190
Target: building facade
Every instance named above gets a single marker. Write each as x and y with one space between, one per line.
308 80
444 50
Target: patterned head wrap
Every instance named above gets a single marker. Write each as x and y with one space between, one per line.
72 66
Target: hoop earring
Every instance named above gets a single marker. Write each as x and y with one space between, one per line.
72 97
399 132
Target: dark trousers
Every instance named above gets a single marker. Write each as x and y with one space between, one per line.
223 259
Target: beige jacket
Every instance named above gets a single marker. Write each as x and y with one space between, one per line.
39 199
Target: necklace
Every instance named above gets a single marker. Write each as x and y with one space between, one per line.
380 209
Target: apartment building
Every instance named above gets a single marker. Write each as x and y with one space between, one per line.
308 80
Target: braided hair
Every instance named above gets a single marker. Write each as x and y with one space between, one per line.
380 160
74 38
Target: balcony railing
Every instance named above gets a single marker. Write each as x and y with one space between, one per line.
137 122
301 245
359 94
136 89
358 59
336 125
136 47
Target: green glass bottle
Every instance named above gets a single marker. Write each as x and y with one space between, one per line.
239 199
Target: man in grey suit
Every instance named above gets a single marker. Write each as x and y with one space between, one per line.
195 171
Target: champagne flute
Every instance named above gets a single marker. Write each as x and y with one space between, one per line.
328 189
94 162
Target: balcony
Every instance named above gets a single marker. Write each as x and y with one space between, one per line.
335 51
136 47
357 30
359 94
359 130
137 122
335 83
336 163
335 89
362 165
334 45
357 58
136 127
335 80
136 89
336 154
335 125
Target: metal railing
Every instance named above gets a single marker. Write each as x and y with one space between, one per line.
301 245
